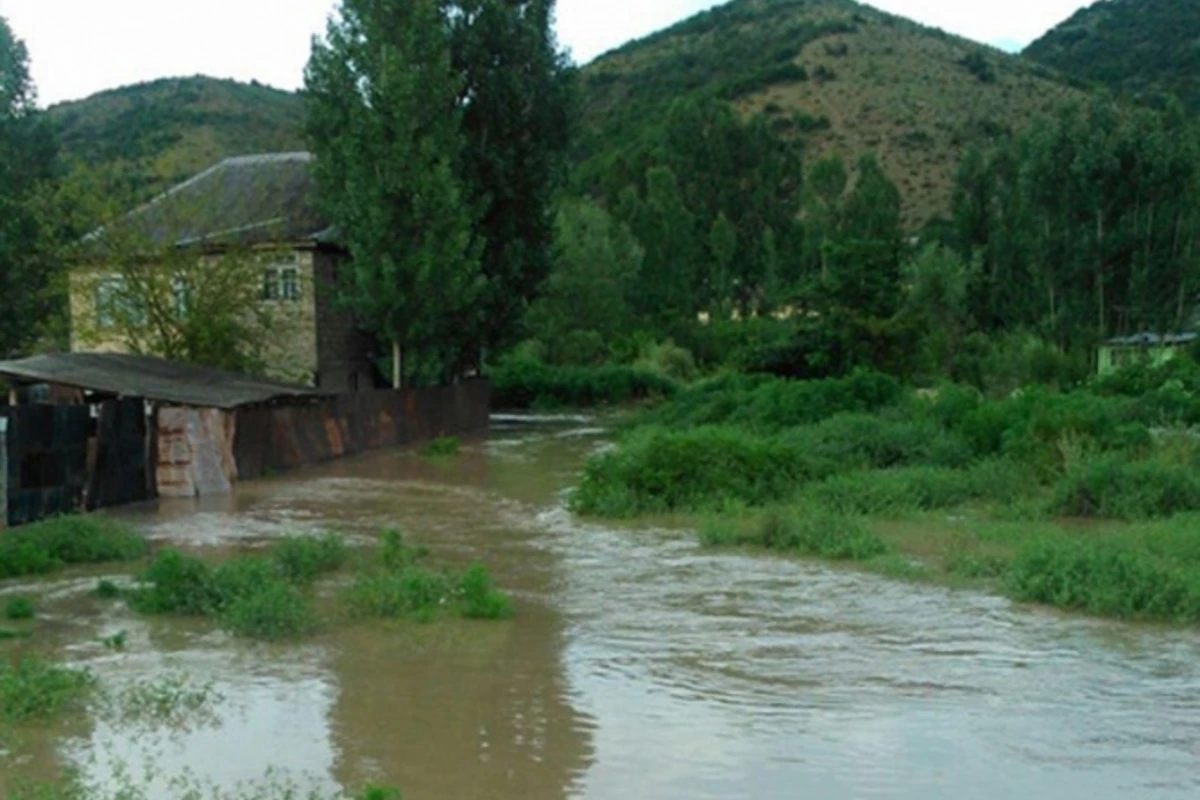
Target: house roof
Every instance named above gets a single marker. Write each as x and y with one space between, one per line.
1153 339
247 200
153 379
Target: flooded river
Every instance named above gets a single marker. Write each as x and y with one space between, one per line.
638 666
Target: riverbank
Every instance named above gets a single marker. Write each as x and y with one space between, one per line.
1084 500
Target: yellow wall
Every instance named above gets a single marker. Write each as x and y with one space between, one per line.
290 346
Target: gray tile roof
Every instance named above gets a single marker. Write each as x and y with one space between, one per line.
246 200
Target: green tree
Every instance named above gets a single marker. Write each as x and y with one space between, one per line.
864 257
938 281
722 248
667 229
385 122
28 165
596 267
518 104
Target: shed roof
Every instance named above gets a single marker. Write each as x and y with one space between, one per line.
153 379
246 200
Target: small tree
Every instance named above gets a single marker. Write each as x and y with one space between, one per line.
938 283
597 263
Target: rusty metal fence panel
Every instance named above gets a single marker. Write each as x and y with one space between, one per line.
270 440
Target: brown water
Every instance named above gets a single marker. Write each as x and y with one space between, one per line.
639 666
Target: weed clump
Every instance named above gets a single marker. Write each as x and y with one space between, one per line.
1116 488
397 584
442 447
1105 576
304 559
19 608
55 543
249 596
32 688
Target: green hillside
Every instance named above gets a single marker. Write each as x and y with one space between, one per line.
1140 47
155 134
845 77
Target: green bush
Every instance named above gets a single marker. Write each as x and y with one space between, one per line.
659 470
531 384
19 608
771 404
52 544
174 584
825 535
411 591
273 612
479 598
1114 487
668 359
1107 576
32 688
303 559
442 447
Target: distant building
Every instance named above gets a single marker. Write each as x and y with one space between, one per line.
1154 348
264 206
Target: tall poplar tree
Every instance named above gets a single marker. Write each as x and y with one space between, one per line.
517 99
385 123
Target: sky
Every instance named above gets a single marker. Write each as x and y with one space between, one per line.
79 47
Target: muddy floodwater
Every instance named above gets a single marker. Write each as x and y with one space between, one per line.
638 665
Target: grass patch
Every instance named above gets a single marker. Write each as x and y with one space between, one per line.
264 596
306 558
32 688
19 608
50 545
816 533
442 447
397 584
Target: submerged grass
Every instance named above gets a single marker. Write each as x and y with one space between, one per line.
32 688
397 584
266 597
50 545
19 608
442 447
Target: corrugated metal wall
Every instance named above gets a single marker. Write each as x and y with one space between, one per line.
271 440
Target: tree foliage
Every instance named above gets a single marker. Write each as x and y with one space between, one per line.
385 125
28 164
1087 225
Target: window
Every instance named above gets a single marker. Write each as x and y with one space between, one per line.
114 304
179 296
281 282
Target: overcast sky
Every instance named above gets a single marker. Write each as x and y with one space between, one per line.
79 47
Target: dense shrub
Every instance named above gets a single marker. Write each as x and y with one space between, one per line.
1114 487
768 404
302 559
529 384
1107 576
52 544
658 470
272 612
881 441
898 491
825 535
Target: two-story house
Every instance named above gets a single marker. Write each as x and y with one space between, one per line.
264 208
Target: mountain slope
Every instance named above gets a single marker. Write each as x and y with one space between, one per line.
1142 47
156 134
847 78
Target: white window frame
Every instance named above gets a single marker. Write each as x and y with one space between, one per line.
281 281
